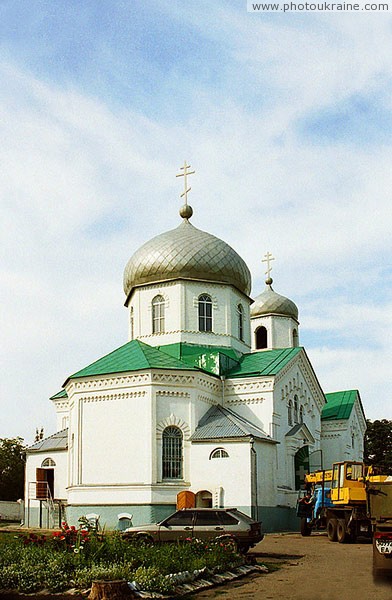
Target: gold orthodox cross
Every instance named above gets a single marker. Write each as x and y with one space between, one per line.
267 259
185 175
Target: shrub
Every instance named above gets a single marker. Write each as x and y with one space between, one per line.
84 576
151 579
9 577
64 563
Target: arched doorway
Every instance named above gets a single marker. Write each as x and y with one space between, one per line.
203 499
301 466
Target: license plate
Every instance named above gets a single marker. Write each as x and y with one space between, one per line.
384 546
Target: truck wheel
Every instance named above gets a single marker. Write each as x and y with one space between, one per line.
332 526
305 527
341 532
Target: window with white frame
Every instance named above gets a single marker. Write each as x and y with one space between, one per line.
158 314
172 453
48 462
205 312
219 453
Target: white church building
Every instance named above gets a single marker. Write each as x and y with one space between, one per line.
211 402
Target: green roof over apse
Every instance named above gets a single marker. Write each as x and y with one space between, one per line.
266 362
60 394
339 405
217 360
133 356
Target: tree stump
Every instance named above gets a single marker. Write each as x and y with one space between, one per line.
110 590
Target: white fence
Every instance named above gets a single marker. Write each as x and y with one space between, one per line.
11 511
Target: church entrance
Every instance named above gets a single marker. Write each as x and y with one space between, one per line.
44 483
301 466
203 499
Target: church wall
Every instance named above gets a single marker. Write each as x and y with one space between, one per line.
227 477
295 382
252 398
62 413
266 461
341 440
282 332
115 445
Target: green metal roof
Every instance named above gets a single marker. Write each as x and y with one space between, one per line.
267 362
60 394
133 356
217 360
339 405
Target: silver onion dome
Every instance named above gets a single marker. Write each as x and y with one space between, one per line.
269 302
186 253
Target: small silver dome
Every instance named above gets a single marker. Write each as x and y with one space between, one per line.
269 302
186 253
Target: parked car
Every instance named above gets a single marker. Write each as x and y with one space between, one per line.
226 524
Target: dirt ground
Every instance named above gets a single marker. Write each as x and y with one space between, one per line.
310 568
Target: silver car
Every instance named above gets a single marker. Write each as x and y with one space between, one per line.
226 524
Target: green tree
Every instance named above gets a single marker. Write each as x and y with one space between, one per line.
378 445
12 465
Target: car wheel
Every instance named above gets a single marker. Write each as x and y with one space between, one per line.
243 548
229 542
144 540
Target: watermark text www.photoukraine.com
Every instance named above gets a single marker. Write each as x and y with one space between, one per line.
317 6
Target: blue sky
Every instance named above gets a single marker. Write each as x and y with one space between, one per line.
287 121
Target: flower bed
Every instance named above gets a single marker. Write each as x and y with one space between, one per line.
73 558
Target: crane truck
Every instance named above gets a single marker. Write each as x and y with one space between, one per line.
340 501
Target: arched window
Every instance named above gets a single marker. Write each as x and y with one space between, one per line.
205 313
301 414
295 409
48 462
290 413
158 314
219 453
295 338
240 313
172 453
261 338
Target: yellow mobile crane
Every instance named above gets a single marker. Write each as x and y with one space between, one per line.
343 509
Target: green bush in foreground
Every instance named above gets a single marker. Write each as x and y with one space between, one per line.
73 559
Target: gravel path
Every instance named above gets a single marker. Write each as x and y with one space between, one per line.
311 568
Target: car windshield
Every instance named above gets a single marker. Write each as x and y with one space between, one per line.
179 519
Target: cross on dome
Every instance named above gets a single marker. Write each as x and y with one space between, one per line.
267 259
185 175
